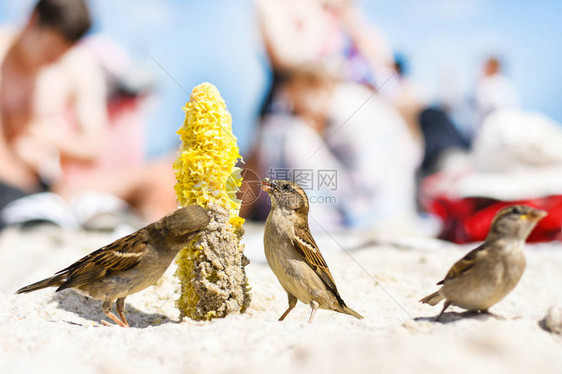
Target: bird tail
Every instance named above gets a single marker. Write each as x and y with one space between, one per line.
351 312
432 299
55 281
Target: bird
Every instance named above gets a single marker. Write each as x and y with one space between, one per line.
485 275
129 264
292 253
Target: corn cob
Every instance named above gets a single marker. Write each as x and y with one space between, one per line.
211 267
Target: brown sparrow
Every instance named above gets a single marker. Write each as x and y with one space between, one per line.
293 255
130 264
488 273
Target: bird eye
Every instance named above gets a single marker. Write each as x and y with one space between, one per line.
516 210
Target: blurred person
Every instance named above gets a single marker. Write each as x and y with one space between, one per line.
408 98
40 91
331 32
494 90
121 169
443 142
326 60
430 124
55 131
371 155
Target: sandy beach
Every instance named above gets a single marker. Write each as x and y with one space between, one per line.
48 332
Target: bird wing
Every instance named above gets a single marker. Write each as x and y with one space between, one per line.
465 264
121 255
306 246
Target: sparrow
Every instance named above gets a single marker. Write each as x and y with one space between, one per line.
130 264
488 273
292 253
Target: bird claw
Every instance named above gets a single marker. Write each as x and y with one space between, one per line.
108 324
115 319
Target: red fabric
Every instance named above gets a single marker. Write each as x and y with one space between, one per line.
468 220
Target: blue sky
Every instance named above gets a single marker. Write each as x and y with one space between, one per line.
216 41
455 35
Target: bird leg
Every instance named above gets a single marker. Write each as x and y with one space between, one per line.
106 307
120 306
292 303
447 304
314 306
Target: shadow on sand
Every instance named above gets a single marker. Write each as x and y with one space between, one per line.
450 317
90 309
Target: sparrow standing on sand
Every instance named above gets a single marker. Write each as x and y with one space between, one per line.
488 273
293 255
130 264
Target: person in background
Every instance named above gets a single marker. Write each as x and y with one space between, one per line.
408 98
443 139
494 90
56 134
122 169
323 124
357 170
331 32
52 98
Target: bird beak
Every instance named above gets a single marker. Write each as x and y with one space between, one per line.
267 186
535 215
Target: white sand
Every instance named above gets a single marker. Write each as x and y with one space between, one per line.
44 331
